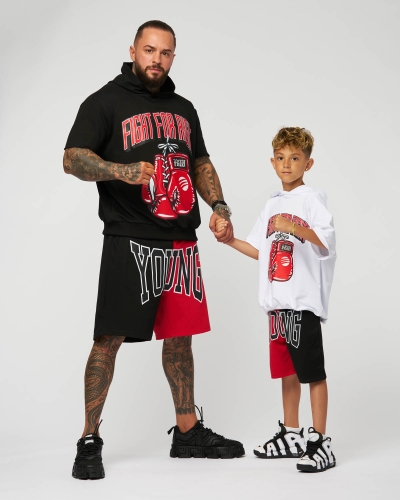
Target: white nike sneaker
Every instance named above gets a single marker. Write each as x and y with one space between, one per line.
318 456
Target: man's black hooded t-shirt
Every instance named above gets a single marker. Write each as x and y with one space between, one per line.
124 123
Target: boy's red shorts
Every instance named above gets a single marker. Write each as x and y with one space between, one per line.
150 285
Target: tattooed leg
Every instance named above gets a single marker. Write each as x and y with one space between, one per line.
98 376
177 359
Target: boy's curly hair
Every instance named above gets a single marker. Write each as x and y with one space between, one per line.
296 137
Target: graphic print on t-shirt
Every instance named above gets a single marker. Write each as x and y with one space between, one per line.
170 191
281 254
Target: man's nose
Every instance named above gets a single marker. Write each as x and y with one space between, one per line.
156 57
286 164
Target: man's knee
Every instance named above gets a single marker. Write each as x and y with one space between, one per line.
108 343
178 343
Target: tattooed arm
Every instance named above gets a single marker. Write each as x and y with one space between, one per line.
209 188
87 166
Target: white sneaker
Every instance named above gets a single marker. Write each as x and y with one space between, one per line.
285 444
318 456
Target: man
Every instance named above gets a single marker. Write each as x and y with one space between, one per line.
143 145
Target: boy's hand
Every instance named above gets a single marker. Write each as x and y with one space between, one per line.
282 225
220 225
221 228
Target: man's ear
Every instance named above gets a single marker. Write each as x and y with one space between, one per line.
272 160
132 52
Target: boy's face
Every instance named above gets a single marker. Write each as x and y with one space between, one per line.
290 164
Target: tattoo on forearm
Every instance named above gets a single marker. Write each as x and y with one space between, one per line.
98 376
88 166
207 180
177 359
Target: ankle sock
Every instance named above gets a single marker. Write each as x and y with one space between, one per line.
293 429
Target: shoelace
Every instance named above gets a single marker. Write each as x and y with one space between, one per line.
203 428
90 449
312 447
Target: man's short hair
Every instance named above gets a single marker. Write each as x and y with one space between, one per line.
159 25
295 137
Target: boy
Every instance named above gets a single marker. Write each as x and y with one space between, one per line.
294 241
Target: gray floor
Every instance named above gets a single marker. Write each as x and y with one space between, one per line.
371 474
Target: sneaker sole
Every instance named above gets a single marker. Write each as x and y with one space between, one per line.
206 452
273 457
88 471
310 468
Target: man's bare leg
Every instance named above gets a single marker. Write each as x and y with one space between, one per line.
177 360
98 376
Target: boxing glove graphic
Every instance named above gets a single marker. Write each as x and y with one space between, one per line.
280 261
156 185
170 191
180 188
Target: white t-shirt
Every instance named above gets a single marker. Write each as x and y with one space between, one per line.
294 273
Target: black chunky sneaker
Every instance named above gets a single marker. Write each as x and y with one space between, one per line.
88 462
318 456
285 444
200 442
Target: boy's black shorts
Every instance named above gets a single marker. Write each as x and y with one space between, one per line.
150 285
295 345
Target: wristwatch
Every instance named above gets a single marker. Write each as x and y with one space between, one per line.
221 205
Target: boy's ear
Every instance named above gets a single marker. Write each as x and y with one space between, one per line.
309 164
272 160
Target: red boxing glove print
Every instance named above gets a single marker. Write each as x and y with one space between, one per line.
280 260
170 191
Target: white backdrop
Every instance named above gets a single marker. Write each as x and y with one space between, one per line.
249 68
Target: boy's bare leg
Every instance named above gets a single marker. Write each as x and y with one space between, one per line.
177 360
319 405
291 391
98 376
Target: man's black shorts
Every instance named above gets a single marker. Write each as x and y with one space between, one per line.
150 285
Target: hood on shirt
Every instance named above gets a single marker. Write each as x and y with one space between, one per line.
301 191
129 81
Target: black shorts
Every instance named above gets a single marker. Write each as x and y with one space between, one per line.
295 345
150 285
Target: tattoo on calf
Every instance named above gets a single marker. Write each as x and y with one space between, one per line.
177 359
98 376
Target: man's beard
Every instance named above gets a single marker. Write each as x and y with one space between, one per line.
153 84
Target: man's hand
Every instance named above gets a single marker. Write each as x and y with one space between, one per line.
221 226
282 225
135 173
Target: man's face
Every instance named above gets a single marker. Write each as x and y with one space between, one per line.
153 55
290 164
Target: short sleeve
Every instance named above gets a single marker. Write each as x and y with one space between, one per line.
91 127
321 222
200 146
254 238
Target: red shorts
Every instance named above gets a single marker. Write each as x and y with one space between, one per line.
150 285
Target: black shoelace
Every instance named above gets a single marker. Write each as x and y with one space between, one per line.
200 424
312 447
93 448
204 429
